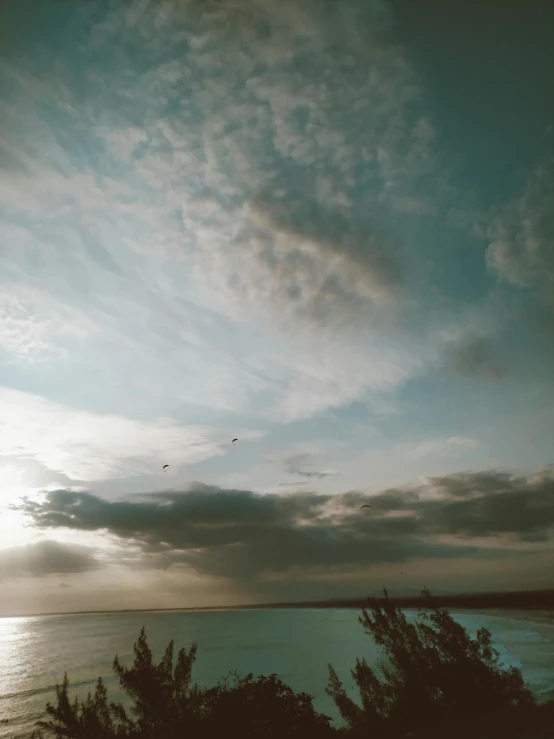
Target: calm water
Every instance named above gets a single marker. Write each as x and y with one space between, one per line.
296 644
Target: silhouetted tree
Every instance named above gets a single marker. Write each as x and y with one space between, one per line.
431 672
264 707
166 705
89 719
164 701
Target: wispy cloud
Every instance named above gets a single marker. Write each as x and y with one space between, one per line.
88 446
521 236
35 327
297 464
473 355
22 332
437 447
159 186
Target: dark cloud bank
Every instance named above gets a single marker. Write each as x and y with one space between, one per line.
239 534
46 558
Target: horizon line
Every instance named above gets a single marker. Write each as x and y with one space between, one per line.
352 602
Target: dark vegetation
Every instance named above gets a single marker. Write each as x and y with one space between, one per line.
535 600
434 681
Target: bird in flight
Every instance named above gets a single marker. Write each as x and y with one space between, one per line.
165 465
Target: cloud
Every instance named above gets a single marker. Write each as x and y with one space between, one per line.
474 484
30 472
321 267
22 333
296 463
89 446
473 356
268 209
45 558
436 447
520 507
238 534
35 327
521 236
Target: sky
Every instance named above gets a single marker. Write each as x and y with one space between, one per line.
325 228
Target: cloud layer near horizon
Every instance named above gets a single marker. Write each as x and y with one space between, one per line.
238 534
46 557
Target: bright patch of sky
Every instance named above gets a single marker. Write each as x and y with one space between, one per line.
323 228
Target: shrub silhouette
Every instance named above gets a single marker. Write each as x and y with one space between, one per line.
166 705
268 707
435 682
432 674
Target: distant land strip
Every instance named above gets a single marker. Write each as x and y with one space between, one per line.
528 600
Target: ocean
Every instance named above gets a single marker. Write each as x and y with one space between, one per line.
297 644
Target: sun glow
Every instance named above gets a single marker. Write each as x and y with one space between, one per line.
13 524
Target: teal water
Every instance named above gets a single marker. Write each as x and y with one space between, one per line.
296 644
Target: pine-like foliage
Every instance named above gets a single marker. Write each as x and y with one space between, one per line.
165 704
431 672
